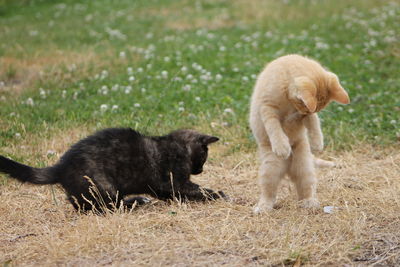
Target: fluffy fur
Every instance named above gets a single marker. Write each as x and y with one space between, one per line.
100 170
283 117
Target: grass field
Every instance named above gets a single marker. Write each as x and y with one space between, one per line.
68 68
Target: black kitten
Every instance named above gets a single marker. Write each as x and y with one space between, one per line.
117 162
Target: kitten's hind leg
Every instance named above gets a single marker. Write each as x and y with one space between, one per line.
272 171
302 173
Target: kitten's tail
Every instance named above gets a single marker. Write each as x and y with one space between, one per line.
26 173
320 163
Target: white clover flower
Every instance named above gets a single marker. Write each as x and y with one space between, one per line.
136 105
128 89
143 90
63 94
197 98
348 46
181 109
75 95
17 135
189 76
254 76
184 69
181 103
245 78
131 78
187 87
103 107
235 69
177 79
228 110
167 59
104 74
222 48
129 70
164 74
196 66
194 81
104 90
320 45
122 54
42 93
140 70
393 122
114 107
351 110
30 102
115 33
218 77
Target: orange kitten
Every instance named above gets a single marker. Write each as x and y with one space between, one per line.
283 118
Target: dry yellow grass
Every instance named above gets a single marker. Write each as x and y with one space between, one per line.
36 229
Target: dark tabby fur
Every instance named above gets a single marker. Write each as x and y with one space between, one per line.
121 162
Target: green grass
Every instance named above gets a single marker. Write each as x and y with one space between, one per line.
80 52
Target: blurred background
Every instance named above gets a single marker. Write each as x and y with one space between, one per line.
160 65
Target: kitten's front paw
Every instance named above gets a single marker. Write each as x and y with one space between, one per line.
282 149
263 206
310 203
211 195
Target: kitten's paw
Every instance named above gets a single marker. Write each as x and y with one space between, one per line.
136 201
309 203
282 149
211 195
263 207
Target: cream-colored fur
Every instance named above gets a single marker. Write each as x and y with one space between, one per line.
287 95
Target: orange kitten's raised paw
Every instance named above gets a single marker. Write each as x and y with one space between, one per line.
310 203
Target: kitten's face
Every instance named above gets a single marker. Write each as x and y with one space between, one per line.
197 145
199 152
307 98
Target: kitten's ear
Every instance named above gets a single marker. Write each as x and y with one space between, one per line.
306 92
337 92
207 139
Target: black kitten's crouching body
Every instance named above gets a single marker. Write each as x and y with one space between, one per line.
117 162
